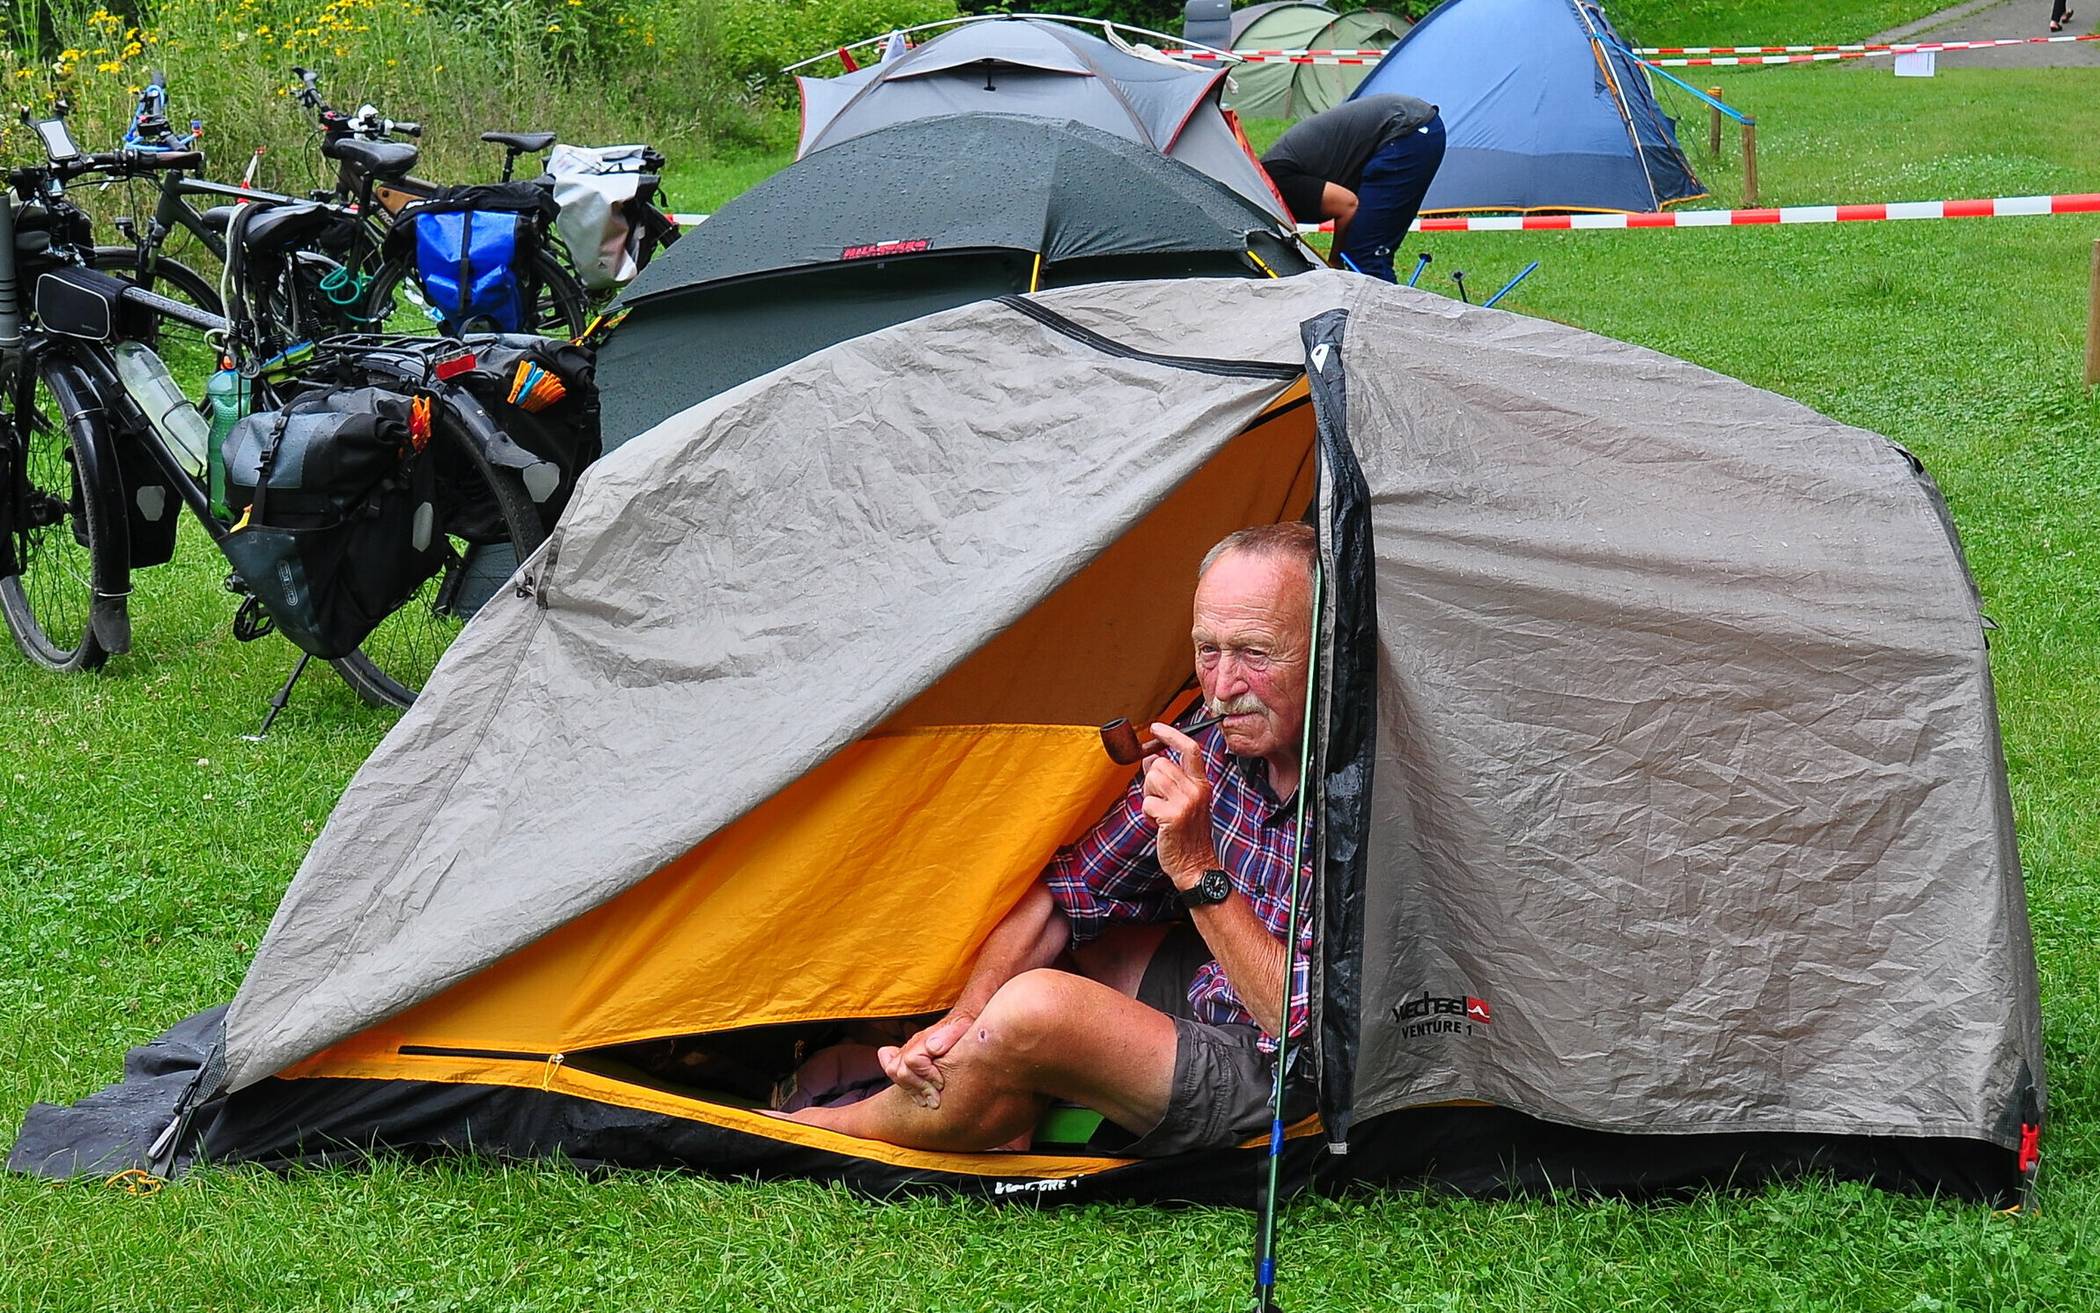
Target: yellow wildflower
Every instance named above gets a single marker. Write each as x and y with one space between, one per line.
554 27
109 66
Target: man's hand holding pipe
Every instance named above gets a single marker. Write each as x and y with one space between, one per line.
1177 800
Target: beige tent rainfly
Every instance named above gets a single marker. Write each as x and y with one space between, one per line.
1662 830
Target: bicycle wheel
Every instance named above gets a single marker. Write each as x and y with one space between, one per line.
59 555
394 302
396 659
188 351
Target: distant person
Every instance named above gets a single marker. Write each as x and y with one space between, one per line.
2059 14
1366 164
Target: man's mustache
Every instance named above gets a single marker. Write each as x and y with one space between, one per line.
1246 704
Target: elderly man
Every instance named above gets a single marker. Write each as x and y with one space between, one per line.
1166 1029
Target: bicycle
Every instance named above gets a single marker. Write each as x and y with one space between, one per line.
91 484
328 285
373 174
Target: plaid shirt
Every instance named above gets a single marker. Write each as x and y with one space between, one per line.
1112 874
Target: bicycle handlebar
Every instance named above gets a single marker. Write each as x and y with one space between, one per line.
113 161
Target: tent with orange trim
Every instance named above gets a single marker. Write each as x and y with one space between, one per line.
1662 828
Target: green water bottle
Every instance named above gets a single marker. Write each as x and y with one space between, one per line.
226 397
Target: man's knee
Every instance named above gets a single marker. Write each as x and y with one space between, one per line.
1026 1020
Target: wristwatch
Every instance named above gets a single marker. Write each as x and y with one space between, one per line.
1214 887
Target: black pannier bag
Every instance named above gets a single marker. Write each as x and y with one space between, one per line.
152 507
339 518
543 393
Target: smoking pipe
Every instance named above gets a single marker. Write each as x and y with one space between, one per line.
1120 741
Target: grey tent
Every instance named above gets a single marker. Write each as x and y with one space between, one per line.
968 206
1295 91
1019 65
1663 832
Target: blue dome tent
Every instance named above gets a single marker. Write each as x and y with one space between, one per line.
1544 109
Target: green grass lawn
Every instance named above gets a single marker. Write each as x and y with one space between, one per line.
145 844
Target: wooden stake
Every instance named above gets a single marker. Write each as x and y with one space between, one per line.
2092 324
1750 163
1713 125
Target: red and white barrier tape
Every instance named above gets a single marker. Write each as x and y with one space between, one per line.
1258 55
1859 46
1327 57
1708 56
1871 52
1991 207
1997 207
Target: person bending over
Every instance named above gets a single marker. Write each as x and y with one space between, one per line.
1366 164
1164 1025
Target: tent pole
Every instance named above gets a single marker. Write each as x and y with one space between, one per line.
1265 1233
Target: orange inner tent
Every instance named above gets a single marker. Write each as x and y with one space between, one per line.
866 887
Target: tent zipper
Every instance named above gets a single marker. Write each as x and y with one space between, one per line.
500 1055
1108 346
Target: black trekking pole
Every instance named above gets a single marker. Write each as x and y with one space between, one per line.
1459 276
1265 1233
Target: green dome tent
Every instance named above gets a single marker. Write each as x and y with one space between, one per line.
969 206
1297 91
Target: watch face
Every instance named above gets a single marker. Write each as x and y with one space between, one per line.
1216 886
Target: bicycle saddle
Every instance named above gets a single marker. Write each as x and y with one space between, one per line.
283 227
525 143
218 218
386 160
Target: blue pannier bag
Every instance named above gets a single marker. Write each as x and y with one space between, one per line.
473 252
467 263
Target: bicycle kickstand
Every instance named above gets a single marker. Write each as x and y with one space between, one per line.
284 695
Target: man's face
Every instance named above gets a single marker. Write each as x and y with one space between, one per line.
1252 635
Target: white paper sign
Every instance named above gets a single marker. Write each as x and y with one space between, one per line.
1917 63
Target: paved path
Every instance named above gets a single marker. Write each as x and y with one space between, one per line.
1984 19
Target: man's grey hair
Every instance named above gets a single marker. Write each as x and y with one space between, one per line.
1294 540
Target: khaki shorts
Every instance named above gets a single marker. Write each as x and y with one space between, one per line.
1223 1082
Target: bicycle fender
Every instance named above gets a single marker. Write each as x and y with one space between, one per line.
484 432
95 457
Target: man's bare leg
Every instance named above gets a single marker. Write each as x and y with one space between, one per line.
1045 1035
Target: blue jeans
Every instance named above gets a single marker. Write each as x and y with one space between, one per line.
1395 180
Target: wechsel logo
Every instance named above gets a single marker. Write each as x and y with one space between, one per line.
1458 1014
